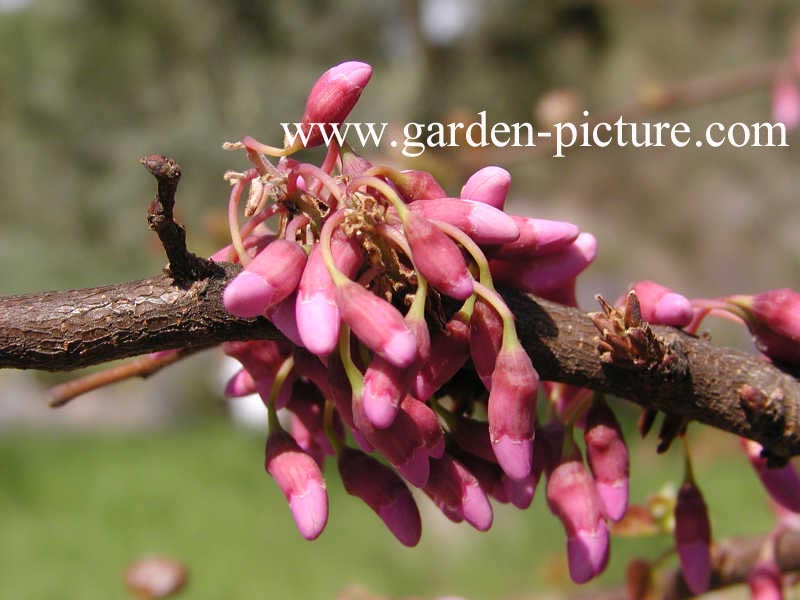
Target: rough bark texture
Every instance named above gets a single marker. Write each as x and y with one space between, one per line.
721 387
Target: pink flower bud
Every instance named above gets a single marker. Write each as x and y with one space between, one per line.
401 443
384 492
520 492
418 185
241 384
773 318
449 352
608 458
489 475
573 498
458 494
427 424
693 538
488 185
385 385
377 324
269 278
782 483
437 257
261 358
283 317
332 97
511 411
307 405
316 312
662 306
300 479
786 102
537 237
483 223
543 274
764 581
485 338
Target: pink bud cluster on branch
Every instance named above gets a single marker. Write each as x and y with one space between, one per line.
402 361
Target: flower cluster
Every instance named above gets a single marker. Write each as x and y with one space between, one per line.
402 360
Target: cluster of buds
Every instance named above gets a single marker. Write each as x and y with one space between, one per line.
400 358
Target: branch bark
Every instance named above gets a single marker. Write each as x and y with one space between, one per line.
59 331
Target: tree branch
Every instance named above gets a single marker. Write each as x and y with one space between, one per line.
59 331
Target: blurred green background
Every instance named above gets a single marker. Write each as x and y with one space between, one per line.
88 86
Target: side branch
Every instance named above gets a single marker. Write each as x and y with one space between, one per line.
721 387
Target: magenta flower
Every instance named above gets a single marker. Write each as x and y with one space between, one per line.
489 185
608 458
299 478
418 185
385 385
537 237
485 339
384 492
449 351
662 306
377 324
572 497
427 424
241 384
782 483
693 538
484 223
543 274
332 97
269 278
773 318
511 410
458 494
437 257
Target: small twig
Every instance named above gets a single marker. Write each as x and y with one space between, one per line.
184 266
143 367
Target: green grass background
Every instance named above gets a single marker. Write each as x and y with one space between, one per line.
75 509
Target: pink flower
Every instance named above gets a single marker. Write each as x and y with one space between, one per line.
488 185
437 257
299 478
572 497
773 318
782 483
537 237
608 458
269 278
482 222
377 324
317 315
449 351
332 97
511 410
485 338
427 424
385 385
458 494
418 185
662 306
384 492
693 538
543 274
241 384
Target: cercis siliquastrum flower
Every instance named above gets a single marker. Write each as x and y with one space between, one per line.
400 358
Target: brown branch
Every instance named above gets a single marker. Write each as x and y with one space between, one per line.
58 331
143 367
184 266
